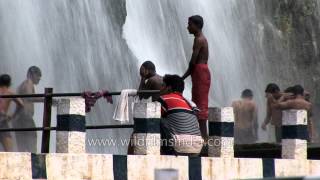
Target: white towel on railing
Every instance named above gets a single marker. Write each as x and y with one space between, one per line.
121 112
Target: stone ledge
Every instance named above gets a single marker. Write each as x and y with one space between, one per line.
108 167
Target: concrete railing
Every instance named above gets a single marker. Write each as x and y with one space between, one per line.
146 133
221 132
73 164
71 126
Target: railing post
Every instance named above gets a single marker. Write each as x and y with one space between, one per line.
221 132
45 145
294 134
146 135
71 126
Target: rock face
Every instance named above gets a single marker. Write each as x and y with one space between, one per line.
292 40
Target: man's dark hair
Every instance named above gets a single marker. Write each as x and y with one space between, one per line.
175 82
34 70
247 93
5 80
149 66
289 90
272 88
298 90
197 20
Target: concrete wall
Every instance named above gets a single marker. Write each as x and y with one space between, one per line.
25 166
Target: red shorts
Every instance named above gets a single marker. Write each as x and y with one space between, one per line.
201 80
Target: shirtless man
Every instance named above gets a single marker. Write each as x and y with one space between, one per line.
150 80
313 134
27 141
199 71
246 120
295 101
273 116
5 137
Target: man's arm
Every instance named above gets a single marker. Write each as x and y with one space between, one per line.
282 105
17 101
311 128
19 105
255 122
196 50
286 96
142 81
234 105
155 84
267 119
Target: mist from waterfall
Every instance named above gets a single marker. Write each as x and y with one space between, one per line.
78 46
157 30
100 44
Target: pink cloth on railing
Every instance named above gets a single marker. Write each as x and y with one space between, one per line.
92 97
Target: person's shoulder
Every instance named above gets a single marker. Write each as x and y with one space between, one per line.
156 79
201 39
24 84
11 92
307 104
251 104
6 92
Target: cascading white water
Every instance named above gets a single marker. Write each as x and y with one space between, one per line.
100 44
157 30
78 46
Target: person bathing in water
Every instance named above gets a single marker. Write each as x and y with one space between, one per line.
150 80
295 99
273 116
27 141
246 119
199 71
6 139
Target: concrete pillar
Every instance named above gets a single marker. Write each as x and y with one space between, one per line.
221 132
71 126
146 136
294 134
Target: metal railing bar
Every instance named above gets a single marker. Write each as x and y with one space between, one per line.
70 94
127 126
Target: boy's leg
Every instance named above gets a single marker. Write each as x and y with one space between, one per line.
7 143
203 129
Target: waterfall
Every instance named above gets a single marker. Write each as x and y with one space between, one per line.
77 44
157 31
90 45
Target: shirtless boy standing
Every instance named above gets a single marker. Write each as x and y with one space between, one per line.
5 137
246 119
199 71
27 141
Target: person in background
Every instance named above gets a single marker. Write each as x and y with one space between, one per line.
179 124
313 134
5 137
246 119
27 141
295 101
273 116
150 80
199 71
